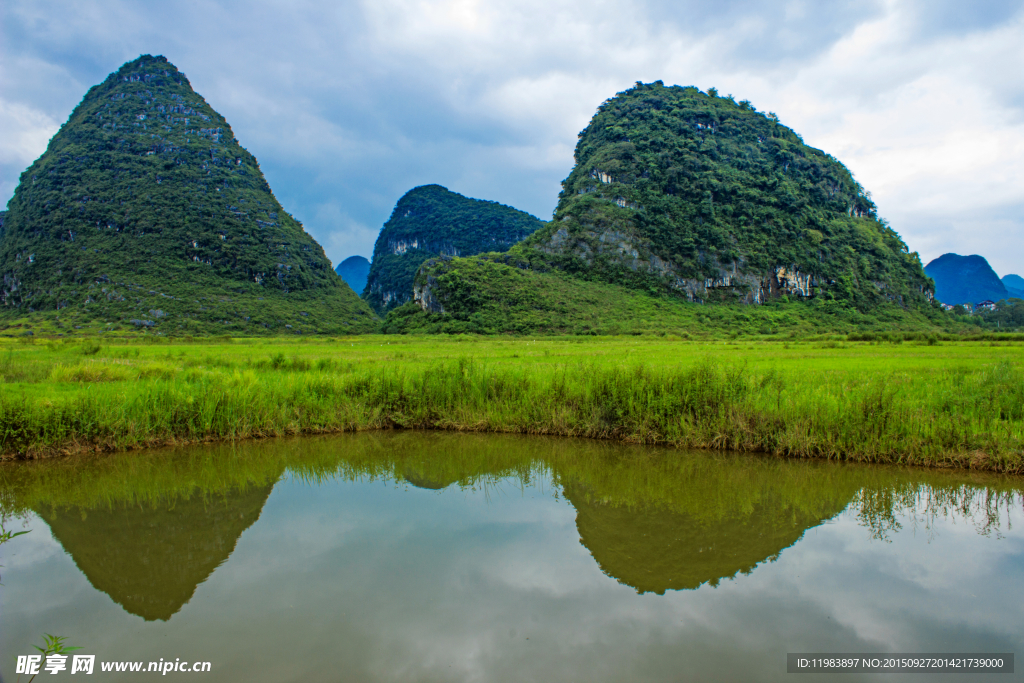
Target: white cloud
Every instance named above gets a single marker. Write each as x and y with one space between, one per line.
345 236
29 130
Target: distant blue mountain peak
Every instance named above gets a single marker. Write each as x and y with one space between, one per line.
965 280
354 271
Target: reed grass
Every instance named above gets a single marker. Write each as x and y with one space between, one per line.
848 401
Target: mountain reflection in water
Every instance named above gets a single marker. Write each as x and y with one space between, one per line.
147 529
150 560
655 550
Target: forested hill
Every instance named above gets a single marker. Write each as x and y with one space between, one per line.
431 221
705 195
692 195
146 212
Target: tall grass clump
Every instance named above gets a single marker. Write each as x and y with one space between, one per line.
948 416
959 404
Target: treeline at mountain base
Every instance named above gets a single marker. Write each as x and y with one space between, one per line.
925 402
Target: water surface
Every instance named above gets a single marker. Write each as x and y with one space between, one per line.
453 557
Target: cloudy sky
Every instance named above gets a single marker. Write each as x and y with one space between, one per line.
348 104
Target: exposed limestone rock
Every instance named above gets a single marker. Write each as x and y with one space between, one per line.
423 295
616 245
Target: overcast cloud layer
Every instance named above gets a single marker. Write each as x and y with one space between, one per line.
347 105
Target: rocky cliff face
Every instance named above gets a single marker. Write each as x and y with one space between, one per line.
636 254
431 221
145 201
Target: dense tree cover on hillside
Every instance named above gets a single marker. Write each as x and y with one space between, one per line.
682 192
965 280
494 294
715 183
145 211
431 221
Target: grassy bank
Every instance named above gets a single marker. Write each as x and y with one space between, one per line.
945 404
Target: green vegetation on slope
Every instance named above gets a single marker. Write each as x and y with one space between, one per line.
714 188
431 221
958 404
496 294
696 196
144 211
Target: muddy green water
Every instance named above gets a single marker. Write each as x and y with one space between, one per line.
452 557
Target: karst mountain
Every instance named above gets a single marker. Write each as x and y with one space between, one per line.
1014 285
431 221
965 280
694 196
146 212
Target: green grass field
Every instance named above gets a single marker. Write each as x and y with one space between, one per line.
927 402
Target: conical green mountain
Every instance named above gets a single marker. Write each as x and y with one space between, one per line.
683 193
430 221
145 211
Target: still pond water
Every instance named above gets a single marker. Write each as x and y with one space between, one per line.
453 557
